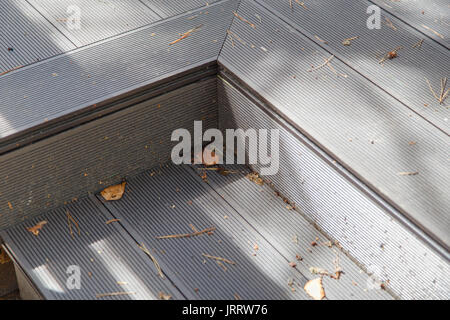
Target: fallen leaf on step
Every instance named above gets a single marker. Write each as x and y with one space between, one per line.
114 192
315 289
163 296
35 230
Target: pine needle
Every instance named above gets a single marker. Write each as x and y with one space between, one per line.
187 235
158 268
218 258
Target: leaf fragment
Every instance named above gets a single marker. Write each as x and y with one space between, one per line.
35 229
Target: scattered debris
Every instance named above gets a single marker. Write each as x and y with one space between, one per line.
443 93
319 271
113 294
233 36
35 230
244 20
412 143
10 49
292 264
218 259
299 257
186 34
158 268
10 70
414 173
10 206
71 220
390 55
163 296
188 235
418 44
113 193
314 243
348 41
237 297
435 32
254 177
295 239
256 247
315 289
390 24
122 283
112 220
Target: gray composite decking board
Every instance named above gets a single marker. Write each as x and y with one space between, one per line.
30 36
169 8
434 14
324 192
267 213
98 19
85 159
167 203
358 124
40 94
105 254
402 77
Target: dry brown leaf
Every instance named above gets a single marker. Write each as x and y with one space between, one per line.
114 192
35 230
315 289
4 258
163 296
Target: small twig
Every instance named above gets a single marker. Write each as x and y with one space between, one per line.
222 266
347 42
301 3
10 70
70 219
187 235
390 24
408 173
113 294
322 65
334 70
435 32
218 259
112 220
186 34
158 268
443 93
321 40
244 20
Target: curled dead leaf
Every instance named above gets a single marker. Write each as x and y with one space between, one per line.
114 192
315 289
35 229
